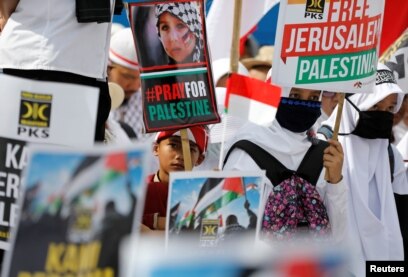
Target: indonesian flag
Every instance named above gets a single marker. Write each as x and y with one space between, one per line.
220 19
252 99
220 196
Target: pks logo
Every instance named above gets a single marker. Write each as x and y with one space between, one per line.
209 229
314 9
35 112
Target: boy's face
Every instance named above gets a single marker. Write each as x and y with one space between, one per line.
170 154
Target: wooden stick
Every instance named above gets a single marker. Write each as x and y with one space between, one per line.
234 59
336 128
185 143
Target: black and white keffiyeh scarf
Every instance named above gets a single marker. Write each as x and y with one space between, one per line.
189 13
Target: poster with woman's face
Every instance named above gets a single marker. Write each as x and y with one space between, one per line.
177 85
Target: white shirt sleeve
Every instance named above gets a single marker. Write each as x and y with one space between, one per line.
335 200
400 183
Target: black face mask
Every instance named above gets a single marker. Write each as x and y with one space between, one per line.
297 115
373 124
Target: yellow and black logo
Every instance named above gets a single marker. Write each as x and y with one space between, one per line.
209 229
315 6
35 109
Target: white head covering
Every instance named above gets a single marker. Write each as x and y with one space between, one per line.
366 170
122 49
403 148
116 27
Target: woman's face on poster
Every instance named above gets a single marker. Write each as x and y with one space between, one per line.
177 39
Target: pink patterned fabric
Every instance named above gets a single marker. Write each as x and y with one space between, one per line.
294 201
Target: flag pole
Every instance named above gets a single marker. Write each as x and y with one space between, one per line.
336 128
234 58
185 143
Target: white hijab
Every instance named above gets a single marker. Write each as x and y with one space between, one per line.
403 148
367 161
286 146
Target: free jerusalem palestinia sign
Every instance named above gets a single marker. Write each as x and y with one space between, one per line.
328 44
177 85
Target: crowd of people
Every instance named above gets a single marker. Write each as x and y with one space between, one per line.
351 189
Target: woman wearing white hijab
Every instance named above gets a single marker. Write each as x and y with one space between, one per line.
287 141
364 134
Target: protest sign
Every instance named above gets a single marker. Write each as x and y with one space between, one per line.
171 45
13 158
40 112
215 206
76 207
47 112
328 45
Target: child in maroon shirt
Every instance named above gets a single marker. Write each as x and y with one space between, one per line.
168 149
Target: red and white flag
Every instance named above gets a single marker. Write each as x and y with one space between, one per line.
252 99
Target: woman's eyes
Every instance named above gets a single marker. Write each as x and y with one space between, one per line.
294 95
181 26
164 27
314 98
388 109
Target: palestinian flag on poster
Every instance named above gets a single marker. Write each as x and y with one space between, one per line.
220 196
93 173
174 211
186 219
252 99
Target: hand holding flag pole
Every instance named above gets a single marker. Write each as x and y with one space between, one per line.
336 128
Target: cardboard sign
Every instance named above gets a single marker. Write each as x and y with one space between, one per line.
171 44
40 112
76 208
216 206
47 112
328 45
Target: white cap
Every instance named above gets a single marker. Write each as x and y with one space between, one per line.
116 27
122 49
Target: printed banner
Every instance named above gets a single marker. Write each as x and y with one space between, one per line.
171 44
215 206
328 45
32 111
13 159
76 208
396 58
47 112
